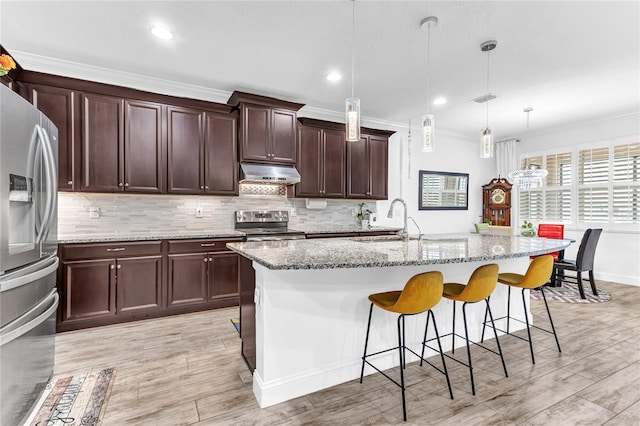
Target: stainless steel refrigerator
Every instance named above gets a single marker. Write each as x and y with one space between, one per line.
28 246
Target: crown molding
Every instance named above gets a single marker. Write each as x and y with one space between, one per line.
64 68
77 70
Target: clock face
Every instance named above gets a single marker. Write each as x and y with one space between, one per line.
497 196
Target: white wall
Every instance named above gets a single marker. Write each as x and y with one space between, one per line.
452 154
618 252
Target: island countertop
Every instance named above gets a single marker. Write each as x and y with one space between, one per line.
366 252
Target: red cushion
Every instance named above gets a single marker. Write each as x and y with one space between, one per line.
553 231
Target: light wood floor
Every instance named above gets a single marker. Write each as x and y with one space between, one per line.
186 370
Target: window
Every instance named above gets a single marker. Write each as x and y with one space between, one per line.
591 185
626 183
552 202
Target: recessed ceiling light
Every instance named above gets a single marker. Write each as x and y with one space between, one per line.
162 32
439 101
334 76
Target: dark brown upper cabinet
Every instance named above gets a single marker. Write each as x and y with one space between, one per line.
267 131
102 143
185 142
321 159
114 139
367 165
220 153
121 145
62 106
202 152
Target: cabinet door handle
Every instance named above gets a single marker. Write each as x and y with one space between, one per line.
211 259
206 259
208 245
69 182
116 249
201 186
126 184
112 266
206 187
120 184
119 266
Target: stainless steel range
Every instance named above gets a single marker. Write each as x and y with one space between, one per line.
266 225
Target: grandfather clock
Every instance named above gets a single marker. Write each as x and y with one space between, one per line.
496 201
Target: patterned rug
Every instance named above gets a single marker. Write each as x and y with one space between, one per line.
236 323
569 293
74 401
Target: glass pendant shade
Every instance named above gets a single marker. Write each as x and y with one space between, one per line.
428 133
528 178
353 119
486 144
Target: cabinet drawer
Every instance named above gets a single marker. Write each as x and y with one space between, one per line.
110 250
201 245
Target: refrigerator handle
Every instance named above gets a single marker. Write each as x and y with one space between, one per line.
50 199
29 278
27 327
52 179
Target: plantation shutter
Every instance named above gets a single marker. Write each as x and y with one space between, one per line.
531 205
593 180
626 186
557 194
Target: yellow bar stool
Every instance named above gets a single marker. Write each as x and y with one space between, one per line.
421 293
480 286
538 274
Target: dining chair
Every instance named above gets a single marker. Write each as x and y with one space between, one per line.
584 262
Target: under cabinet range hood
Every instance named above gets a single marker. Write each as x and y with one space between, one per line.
269 173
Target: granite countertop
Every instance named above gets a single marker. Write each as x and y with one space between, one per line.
148 235
365 252
186 234
339 229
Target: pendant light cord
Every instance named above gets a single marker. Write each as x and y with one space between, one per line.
428 64
488 53
353 42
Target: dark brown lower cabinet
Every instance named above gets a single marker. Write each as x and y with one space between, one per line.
187 279
89 290
138 284
108 283
248 312
202 271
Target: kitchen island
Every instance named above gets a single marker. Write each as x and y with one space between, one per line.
311 302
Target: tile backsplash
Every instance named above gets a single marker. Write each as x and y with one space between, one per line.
141 212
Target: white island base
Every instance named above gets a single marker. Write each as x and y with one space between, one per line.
311 323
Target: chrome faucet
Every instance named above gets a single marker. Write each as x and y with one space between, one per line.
404 233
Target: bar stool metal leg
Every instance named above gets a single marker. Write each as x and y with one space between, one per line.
553 328
424 345
466 336
526 318
444 365
401 351
495 333
366 342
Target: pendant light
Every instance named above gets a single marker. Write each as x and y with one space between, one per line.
428 120
530 176
353 103
486 142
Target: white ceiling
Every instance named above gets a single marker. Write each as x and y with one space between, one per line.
571 61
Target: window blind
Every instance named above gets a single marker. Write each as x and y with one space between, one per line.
626 188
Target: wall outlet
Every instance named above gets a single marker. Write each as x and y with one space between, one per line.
293 212
199 211
94 212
